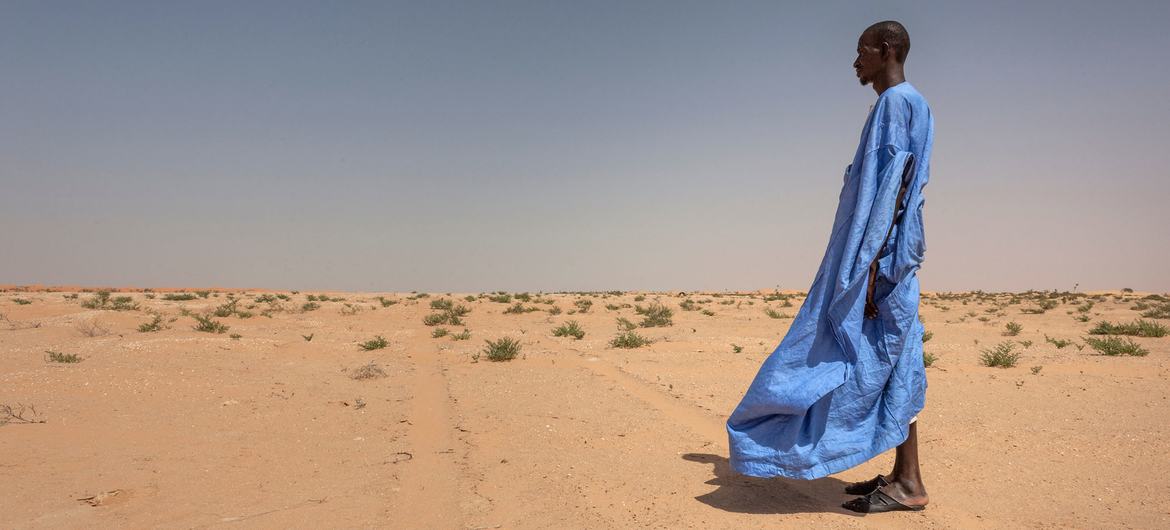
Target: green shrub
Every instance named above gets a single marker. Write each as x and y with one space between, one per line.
928 359
1137 328
1013 329
154 325
178 297
629 339
569 329
1059 343
206 324
1116 346
504 349
58 357
464 335
656 315
1002 355
376 343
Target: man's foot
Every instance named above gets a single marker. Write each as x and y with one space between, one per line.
862 488
889 498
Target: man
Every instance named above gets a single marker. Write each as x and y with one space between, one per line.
847 381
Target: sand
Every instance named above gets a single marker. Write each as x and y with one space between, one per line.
186 429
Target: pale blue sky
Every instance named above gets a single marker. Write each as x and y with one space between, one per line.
467 146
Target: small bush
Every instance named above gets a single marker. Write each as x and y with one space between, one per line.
310 306
92 328
928 359
1137 328
21 301
656 315
1002 355
235 336
569 329
583 305
1116 346
735 348
554 310
154 325
206 324
375 343
927 335
1012 329
370 370
624 324
776 314
504 349
628 340
464 335
442 304
1059 343
439 332
178 297
58 357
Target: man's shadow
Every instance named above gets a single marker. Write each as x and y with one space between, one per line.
744 494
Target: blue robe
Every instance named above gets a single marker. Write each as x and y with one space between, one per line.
841 388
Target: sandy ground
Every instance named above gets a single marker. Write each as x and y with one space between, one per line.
186 429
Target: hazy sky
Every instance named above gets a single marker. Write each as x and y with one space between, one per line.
468 146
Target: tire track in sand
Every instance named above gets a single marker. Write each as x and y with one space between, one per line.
708 427
430 481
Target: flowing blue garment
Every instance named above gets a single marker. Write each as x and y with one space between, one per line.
841 388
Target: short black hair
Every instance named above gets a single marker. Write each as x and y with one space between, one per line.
895 34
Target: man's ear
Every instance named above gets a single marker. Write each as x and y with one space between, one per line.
886 50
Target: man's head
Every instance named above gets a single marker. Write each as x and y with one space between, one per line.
881 49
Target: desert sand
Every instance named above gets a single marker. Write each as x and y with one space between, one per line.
271 424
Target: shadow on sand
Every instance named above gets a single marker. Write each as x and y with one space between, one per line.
744 494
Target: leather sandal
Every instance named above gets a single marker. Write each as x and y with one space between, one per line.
862 488
878 502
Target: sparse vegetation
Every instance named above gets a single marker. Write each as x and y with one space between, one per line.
1012 329
1002 355
206 324
310 306
19 413
92 328
52 356
376 343
463 335
179 297
772 313
369 370
656 315
624 324
1115 346
928 359
439 332
1059 343
309 337
1137 328
628 340
583 305
504 349
155 324
21 301
569 329
735 348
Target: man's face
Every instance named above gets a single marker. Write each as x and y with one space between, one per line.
869 61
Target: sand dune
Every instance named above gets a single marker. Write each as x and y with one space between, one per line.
266 425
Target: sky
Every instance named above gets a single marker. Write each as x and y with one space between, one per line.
566 145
